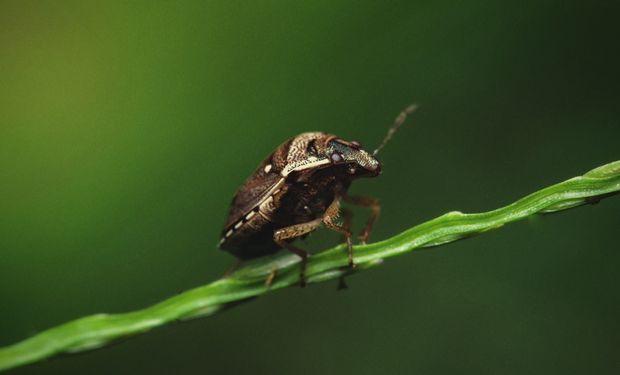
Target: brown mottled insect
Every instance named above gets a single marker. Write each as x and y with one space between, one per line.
297 188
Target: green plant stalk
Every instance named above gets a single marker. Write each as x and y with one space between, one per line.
102 329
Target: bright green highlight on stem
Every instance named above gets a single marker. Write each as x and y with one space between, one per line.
99 330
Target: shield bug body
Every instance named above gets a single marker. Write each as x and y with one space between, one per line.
298 188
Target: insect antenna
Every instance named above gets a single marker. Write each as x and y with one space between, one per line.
400 119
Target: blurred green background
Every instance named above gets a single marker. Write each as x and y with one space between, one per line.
126 127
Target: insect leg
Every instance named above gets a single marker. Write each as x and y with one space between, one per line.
271 276
232 269
347 216
328 218
281 235
368 202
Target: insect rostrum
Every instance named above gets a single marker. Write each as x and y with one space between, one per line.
296 189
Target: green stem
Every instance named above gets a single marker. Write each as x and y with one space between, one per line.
99 330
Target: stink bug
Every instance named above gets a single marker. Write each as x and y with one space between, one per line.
296 189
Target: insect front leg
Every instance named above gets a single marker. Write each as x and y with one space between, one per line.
329 218
347 217
368 202
281 236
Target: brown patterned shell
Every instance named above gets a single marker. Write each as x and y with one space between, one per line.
252 192
257 187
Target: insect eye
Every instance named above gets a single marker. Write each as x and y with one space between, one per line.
336 157
311 149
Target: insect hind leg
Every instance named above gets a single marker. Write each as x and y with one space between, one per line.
232 268
281 236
